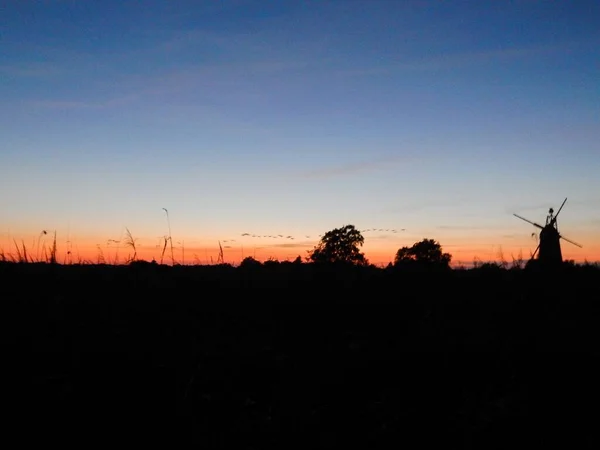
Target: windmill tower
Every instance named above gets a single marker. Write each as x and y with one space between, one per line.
550 254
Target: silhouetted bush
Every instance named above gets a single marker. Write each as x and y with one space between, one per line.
423 255
250 262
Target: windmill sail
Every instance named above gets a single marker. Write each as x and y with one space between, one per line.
548 250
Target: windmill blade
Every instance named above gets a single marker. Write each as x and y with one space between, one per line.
529 221
559 209
536 250
570 241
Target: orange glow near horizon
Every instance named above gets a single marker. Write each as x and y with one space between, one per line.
207 252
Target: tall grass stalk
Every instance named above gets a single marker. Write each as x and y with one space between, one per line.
68 258
130 242
502 262
53 250
116 257
518 262
37 250
100 257
170 237
78 254
162 254
220 260
21 253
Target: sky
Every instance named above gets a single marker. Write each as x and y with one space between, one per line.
222 121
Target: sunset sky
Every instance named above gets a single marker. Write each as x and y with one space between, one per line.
291 118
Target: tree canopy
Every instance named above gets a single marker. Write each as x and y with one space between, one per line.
340 245
427 252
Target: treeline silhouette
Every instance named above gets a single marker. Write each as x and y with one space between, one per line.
303 354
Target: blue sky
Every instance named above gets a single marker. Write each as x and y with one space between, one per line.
294 117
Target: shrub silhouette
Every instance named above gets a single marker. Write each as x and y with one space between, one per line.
249 261
271 262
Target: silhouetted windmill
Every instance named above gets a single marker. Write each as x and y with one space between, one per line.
549 243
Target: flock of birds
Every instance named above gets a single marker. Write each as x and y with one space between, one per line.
281 236
270 236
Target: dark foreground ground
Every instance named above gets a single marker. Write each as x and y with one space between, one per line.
295 357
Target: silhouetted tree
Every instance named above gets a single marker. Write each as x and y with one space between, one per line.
427 252
340 245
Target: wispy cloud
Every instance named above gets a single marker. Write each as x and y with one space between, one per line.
515 235
304 244
186 39
451 61
246 54
30 70
542 208
469 58
595 222
217 83
354 168
429 204
78 104
464 227
384 237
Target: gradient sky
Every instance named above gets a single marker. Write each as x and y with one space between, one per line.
296 117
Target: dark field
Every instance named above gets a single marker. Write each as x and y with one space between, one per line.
296 356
